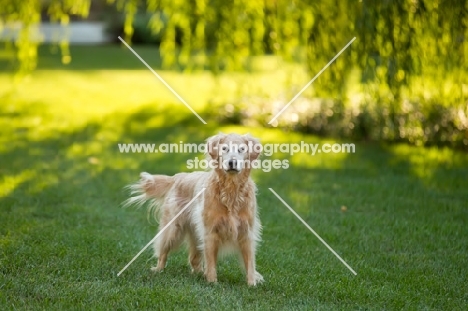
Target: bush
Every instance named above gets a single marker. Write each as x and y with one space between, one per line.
417 122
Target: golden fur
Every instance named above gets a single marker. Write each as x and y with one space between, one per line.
222 219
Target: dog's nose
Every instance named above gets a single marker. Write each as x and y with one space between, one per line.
232 164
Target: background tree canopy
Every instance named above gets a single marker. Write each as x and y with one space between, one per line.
409 59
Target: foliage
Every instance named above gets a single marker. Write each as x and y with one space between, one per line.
395 38
420 123
25 16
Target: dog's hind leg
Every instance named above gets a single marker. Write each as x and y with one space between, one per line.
169 240
195 255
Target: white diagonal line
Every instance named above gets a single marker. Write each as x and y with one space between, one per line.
312 230
311 81
162 80
161 231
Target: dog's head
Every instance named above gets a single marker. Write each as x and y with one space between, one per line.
233 153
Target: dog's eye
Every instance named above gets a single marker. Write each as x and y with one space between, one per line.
242 149
224 148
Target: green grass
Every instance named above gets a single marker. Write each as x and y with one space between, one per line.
64 237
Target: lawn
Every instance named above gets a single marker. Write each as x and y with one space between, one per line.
64 236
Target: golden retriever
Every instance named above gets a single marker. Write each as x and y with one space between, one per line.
223 219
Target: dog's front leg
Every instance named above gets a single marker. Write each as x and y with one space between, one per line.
211 256
248 256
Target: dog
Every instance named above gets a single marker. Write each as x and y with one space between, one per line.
223 219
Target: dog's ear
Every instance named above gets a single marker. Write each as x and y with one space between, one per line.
254 146
212 144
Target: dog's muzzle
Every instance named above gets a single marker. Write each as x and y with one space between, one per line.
233 166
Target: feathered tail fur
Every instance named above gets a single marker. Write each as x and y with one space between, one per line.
150 188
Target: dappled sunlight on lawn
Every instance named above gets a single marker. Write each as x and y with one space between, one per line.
320 160
424 160
73 99
8 183
63 100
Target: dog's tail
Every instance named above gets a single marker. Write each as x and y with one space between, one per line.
150 188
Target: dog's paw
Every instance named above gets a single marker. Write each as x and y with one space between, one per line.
196 270
211 278
156 269
257 279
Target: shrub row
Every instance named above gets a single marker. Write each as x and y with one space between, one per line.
416 122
